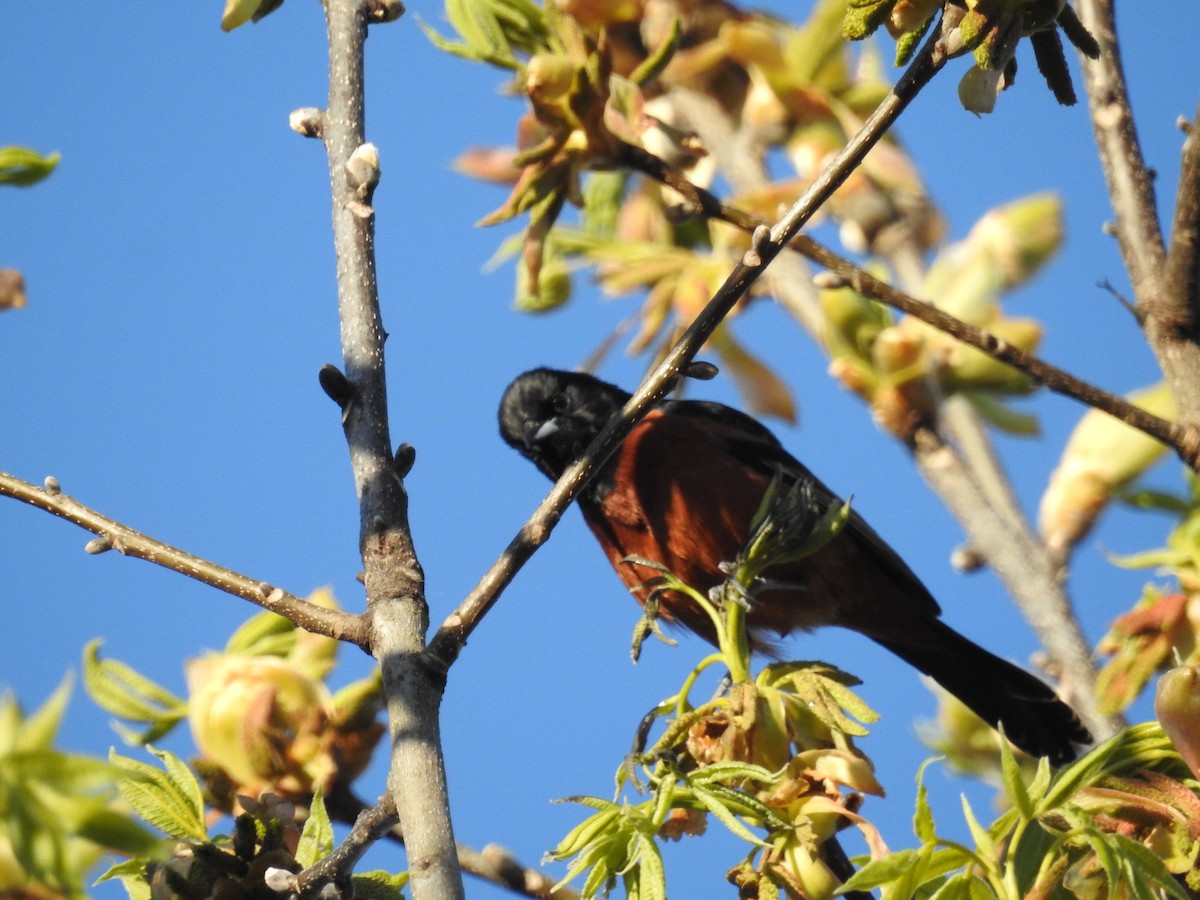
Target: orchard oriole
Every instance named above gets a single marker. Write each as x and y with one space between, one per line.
682 490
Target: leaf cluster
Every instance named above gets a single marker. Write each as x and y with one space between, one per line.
266 838
59 812
1120 821
260 711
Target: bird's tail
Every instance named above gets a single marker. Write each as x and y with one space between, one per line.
1033 716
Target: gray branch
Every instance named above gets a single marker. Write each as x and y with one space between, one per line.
394 581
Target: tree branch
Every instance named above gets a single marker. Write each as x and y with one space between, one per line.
1183 439
1129 181
493 864
113 535
768 243
1169 318
1182 281
393 578
964 473
1025 567
371 824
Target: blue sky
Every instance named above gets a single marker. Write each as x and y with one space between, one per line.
181 300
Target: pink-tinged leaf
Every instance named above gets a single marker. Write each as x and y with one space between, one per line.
1177 705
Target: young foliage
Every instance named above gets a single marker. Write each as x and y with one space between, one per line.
22 167
59 812
260 712
1120 821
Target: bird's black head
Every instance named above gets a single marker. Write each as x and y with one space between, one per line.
551 416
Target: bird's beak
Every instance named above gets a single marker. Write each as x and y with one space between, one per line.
543 431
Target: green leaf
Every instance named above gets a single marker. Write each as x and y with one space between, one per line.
983 840
132 875
964 886
880 872
38 731
731 770
587 833
117 832
125 692
654 64
39 847
21 167
1144 870
650 875
265 634
316 841
1002 416
1083 771
379 885
718 802
1014 783
923 824
602 193
1148 498
10 721
69 774
169 800
476 22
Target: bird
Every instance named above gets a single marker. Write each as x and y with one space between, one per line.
682 489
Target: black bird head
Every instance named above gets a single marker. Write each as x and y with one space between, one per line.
551 416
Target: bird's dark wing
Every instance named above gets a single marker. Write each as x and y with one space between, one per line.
754 446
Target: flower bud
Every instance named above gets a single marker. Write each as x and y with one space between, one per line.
1102 455
262 721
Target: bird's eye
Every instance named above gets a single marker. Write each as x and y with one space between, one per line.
559 403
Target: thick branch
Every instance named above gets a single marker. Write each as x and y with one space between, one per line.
454 632
112 535
393 578
1129 181
1170 317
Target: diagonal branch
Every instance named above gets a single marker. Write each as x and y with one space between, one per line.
493 863
1181 438
963 471
371 824
768 243
113 535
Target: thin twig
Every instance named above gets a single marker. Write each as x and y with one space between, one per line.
113 535
394 582
1182 439
453 634
371 824
493 863
1012 549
